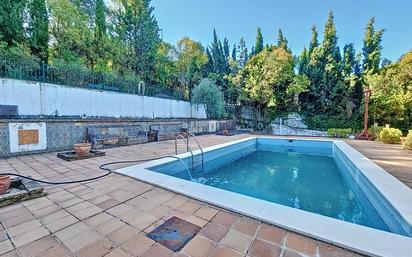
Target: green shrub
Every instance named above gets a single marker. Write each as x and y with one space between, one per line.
323 122
375 130
334 132
408 142
390 135
209 94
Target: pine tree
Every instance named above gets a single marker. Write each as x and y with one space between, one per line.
39 29
372 48
282 41
11 21
259 42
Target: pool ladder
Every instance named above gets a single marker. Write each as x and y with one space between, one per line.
189 149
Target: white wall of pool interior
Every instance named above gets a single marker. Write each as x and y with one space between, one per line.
351 236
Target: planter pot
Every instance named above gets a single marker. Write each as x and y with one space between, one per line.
82 149
4 184
225 132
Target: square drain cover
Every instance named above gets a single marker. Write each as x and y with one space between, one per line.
174 233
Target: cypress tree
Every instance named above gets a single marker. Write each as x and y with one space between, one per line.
39 29
226 49
303 62
219 54
372 48
252 52
331 86
314 40
243 54
357 91
100 20
234 52
140 32
209 65
282 42
330 39
259 42
349 60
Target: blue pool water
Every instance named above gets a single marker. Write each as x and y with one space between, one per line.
302 175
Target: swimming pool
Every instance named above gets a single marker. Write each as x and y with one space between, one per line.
320 188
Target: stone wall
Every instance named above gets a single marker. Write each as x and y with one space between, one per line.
62 134
293 125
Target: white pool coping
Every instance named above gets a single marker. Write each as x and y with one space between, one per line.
359 238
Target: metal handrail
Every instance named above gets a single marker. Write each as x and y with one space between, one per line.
200 148
188 148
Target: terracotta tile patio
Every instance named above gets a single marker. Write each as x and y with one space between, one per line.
111 217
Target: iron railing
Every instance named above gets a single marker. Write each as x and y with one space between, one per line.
75 76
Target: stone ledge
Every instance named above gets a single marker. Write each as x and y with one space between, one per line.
21 190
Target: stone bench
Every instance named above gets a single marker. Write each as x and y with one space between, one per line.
106 136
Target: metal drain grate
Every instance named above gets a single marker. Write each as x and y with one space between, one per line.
174 233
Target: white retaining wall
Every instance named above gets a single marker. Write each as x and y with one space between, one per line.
34 98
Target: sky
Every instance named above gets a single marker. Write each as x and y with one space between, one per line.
240 18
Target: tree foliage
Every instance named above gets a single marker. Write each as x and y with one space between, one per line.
266 76
39 29
190 63
391 98
209 94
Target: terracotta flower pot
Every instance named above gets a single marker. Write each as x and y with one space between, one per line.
4 184
225 132
82 149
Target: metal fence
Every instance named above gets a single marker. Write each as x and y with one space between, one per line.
33 70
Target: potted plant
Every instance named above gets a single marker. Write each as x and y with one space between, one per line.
4 184
83 149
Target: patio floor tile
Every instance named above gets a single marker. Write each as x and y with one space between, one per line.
206 213
137 245
97 249
158 250
199 246
225 218
237 240
122 234
261 248
223 251
214 231
29 236
246 225
301 244
118 252
271 234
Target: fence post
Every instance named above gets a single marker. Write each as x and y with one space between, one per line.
43 72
